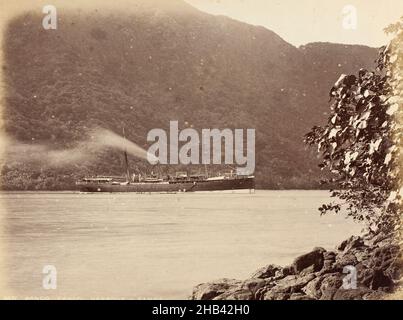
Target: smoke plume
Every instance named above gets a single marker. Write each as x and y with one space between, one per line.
82 152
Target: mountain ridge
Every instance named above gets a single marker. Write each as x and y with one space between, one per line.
142 70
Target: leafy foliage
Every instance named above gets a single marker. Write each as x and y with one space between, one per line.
360 144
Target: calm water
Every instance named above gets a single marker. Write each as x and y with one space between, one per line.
155 246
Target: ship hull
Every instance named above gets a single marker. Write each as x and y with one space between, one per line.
206 185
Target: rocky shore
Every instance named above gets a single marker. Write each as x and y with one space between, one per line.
375 264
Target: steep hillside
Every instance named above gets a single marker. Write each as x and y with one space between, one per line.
143 68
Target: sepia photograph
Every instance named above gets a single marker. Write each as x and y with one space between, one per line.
201 150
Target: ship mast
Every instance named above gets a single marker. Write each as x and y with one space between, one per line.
126 158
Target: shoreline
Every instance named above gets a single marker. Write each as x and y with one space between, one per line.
77 191
374 264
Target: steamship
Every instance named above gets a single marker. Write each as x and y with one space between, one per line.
181 182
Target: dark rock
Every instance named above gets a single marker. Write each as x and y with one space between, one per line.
276 294
384 257
350 243
329 266
380 280
366 278
229 290
374 295
317 275
238 294
329 255
364 274
362 255
329 263
313 258
295 283
346 259
342 245
260 293
380 240
266 272
286 271
209 291
330 284
394 271
287 286
352 294
311 269
300 296
253 285
312 289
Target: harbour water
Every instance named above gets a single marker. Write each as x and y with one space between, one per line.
154 246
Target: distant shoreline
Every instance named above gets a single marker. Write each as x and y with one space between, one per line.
76 191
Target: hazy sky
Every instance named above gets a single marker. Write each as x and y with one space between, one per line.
296 21
303 21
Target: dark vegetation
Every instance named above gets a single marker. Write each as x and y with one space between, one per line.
361 142
144 68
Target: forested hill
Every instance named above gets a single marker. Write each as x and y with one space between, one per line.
147 66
